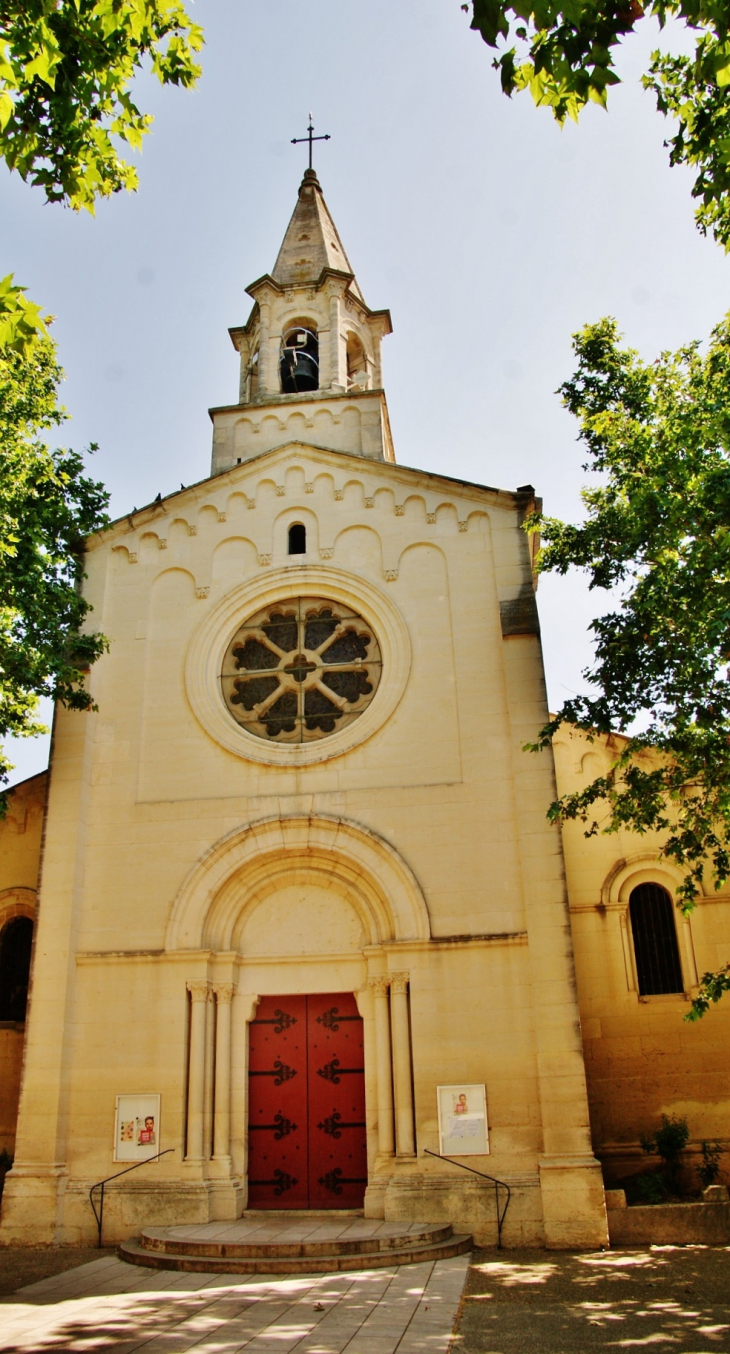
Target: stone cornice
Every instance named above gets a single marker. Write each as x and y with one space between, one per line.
227 479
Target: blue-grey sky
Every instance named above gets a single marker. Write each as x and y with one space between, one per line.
490 234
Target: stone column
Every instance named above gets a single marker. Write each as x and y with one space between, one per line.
198 990
208 1076
628 952
689 949
325 357
405 1137
222 1118
244 350
337 377
379 988
264 323
377 363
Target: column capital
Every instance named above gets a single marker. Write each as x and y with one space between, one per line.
199 988
246 1005
399 983
379 985
224 992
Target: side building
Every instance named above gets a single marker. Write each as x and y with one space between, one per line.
638 964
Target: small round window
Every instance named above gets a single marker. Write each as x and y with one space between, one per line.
300 670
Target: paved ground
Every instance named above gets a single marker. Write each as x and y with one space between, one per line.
20 1265
662 1298
108 1305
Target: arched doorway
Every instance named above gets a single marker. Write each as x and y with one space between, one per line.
293 917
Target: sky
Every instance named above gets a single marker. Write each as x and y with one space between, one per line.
490 233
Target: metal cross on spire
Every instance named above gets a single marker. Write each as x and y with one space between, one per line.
296 140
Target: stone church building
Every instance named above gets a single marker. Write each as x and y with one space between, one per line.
298 919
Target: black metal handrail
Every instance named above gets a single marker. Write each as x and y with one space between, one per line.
100 1184
497 1183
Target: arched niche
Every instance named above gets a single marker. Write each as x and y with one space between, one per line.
280 534
297 910
641 867
240 871
360 549
233 560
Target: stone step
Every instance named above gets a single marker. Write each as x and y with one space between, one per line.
169 1242
294 1213
332 1262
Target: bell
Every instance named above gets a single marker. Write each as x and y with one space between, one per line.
298 370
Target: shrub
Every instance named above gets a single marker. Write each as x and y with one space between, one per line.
650 1188
668 1142
710 1168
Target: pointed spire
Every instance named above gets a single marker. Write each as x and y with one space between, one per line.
311 242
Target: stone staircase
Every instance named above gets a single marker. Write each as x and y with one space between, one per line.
293 1243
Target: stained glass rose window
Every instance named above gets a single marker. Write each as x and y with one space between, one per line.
300 670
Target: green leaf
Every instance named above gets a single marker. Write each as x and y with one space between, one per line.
6 109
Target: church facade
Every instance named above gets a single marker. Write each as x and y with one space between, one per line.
302 925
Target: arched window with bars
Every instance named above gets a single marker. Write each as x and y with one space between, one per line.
658 966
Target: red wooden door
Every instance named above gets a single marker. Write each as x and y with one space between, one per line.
277 1104
307 1146
337 1146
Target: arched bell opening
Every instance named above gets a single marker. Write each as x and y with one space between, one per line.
299 360
358 377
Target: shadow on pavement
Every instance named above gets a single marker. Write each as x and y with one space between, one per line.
675 1298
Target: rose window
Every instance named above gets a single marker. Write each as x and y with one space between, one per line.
300 670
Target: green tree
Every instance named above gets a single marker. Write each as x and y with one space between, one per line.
657 533
47 507
67 71
564 53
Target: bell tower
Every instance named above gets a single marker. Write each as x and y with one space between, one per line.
310 352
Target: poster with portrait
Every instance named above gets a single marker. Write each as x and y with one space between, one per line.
463 1130
137 1127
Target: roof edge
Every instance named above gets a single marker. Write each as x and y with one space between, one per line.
151 511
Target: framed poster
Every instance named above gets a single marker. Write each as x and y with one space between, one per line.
463 1130
136 1127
